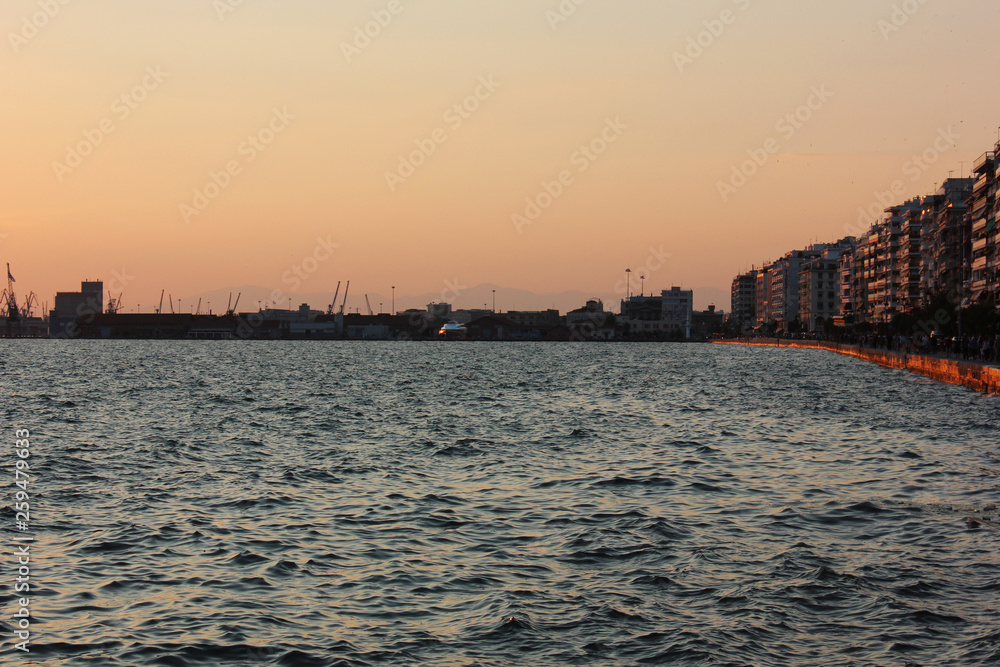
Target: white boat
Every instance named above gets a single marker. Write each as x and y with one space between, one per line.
452 329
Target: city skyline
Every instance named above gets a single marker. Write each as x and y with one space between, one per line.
543 146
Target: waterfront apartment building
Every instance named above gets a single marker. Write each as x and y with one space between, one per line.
762 296
678 310
941 244
912 222
947 243
885 287
864 276
784 293
820 288
669 314
743 300
846 267
984 228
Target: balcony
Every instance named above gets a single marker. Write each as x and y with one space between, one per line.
984 162
978 226
979 264
978 245
979 207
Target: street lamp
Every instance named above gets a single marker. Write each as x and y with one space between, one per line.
393 300
642 289
494 301
628 283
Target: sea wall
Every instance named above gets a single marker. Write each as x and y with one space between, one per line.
975 376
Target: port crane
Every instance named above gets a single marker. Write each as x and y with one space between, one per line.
171 297
344 304
197 311
159 308
13 313
333 304
30 302
368 303
231 310
114 305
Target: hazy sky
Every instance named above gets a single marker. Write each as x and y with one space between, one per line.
196 144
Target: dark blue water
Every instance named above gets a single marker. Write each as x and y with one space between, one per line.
238 503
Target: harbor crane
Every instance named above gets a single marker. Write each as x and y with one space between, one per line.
159 309
231 310
344 304
368 303
114 305
29 303
171 297
10 302
197 310
333 304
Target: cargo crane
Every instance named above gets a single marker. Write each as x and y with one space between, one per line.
368 303
230 311
333 304
344 304
171 297
30 302
10 305
197 311
114 305
159 309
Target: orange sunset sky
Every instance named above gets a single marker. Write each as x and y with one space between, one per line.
200 144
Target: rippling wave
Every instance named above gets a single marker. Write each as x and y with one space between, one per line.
353 504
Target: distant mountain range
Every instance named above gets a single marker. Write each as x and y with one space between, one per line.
480 296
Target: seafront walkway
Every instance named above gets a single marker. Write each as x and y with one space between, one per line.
978 376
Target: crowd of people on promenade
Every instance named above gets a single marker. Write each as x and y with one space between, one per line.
982 349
